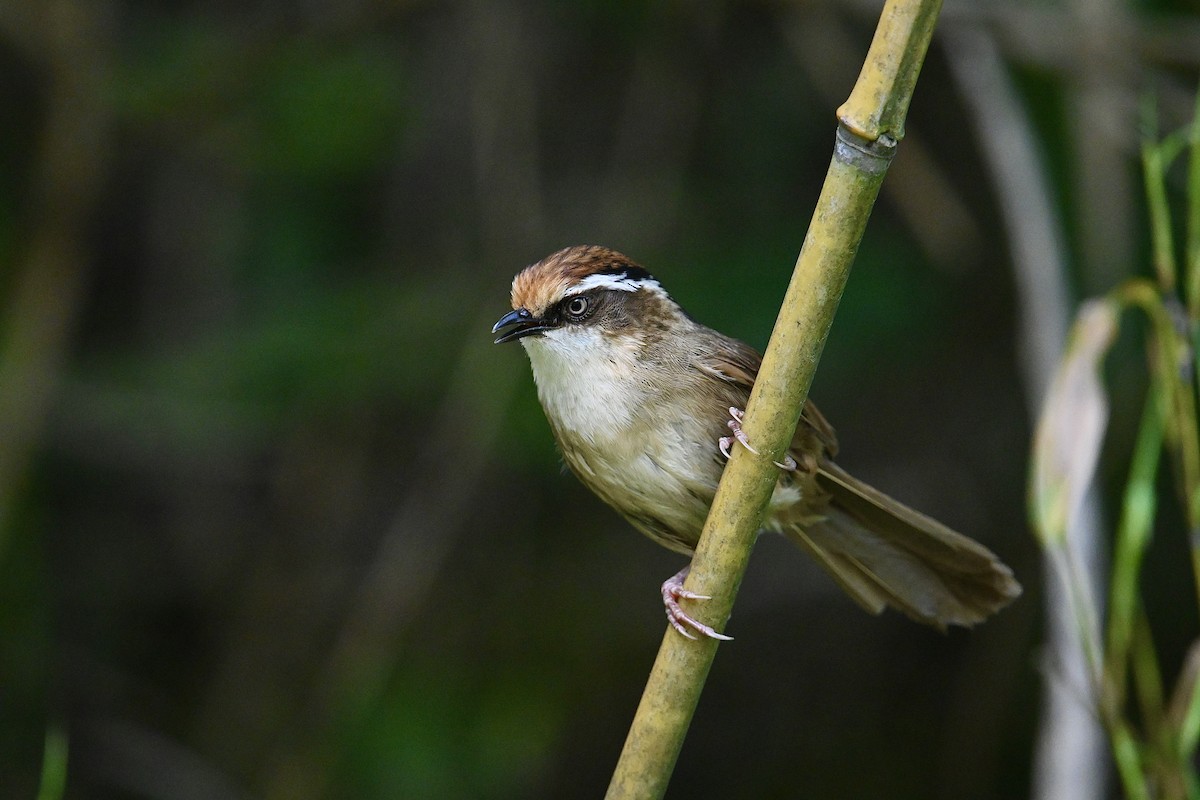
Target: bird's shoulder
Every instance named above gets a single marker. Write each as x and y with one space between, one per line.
737 363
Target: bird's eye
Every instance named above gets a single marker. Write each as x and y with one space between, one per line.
577 308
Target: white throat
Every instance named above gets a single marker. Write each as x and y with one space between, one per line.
587 382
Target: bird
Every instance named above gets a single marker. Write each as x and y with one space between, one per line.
641 399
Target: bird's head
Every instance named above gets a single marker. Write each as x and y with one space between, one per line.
585 294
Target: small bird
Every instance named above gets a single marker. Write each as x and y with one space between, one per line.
641 399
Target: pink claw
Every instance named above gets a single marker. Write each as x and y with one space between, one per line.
672 593
735 424
723 444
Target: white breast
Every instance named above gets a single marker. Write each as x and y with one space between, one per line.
638 458
632 445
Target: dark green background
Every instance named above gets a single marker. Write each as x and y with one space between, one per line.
289 526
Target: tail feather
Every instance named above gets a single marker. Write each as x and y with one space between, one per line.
886 554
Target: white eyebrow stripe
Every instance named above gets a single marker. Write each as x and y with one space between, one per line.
621 283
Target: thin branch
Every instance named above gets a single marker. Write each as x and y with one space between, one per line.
870 125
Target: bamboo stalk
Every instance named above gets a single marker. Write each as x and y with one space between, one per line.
871 123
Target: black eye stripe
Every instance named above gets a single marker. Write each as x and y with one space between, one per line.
628 271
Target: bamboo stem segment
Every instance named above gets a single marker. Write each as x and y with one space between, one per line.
870 126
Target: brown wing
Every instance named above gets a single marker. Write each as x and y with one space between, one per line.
733 362
737 363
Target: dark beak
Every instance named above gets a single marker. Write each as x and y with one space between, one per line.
519 323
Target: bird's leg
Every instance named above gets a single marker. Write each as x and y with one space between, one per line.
672 592
735 425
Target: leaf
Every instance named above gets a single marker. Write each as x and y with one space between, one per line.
1184 711
1069 433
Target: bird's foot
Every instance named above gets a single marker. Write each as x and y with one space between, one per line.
735 424
672 593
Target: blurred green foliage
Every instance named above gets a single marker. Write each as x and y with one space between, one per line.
288 526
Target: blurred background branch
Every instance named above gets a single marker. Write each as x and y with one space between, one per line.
1070 761
71 159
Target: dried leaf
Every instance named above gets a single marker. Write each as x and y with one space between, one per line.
1067 443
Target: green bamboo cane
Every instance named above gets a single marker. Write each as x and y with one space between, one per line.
870 124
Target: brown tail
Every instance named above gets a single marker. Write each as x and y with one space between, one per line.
885 554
